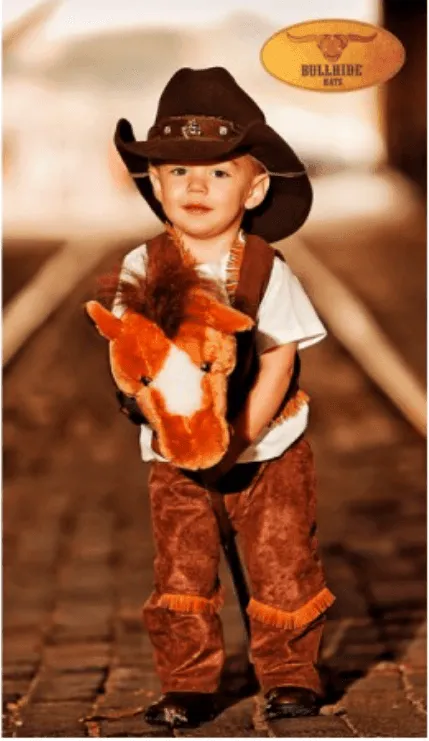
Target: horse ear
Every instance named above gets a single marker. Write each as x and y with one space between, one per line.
220 316
231 320
108 325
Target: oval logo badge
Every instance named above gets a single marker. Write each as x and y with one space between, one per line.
333 55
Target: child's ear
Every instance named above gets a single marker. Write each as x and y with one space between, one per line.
258 190
155 181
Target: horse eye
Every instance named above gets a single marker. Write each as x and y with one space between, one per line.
145 380
205 367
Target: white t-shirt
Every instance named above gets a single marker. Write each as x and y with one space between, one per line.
285 314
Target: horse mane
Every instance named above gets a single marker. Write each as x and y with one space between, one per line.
162 293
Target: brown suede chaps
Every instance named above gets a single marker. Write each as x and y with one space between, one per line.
274 516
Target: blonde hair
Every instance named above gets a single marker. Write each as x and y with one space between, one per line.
258 167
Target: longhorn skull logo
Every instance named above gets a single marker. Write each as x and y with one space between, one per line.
332 45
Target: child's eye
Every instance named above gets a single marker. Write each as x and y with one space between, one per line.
220 174
178 171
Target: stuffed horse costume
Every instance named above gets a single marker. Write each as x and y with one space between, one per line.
172 350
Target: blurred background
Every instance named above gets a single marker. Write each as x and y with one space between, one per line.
77 548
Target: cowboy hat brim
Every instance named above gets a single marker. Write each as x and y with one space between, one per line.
288 201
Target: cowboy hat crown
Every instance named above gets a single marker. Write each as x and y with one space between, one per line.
208 92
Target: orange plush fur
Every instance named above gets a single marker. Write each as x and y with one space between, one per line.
171 306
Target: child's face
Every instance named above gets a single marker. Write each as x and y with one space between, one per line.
207 199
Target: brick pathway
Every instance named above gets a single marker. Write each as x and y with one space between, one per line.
77 554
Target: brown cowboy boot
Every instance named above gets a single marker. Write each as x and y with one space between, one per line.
290 702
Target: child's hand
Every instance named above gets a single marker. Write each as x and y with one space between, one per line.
236 446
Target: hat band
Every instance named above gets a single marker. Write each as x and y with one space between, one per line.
202 128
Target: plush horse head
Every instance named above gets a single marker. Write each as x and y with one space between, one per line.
173 349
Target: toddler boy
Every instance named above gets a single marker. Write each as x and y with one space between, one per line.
226 184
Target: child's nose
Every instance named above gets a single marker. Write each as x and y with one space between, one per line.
197 182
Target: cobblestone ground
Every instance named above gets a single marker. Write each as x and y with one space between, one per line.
78 550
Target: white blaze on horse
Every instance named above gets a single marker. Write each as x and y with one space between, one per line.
173 349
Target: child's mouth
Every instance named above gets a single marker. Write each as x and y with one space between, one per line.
197 208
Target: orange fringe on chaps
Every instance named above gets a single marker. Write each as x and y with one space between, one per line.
193 603
291 620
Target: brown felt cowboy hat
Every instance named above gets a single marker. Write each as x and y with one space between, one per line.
203 115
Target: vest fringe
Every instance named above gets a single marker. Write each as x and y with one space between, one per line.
235 258
233 268
172 232
192 602
292 407
291 620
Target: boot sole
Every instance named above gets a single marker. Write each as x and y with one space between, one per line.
293 711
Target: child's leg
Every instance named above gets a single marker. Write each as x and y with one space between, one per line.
289 597
181 614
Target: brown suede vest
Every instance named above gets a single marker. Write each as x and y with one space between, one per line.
252 283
